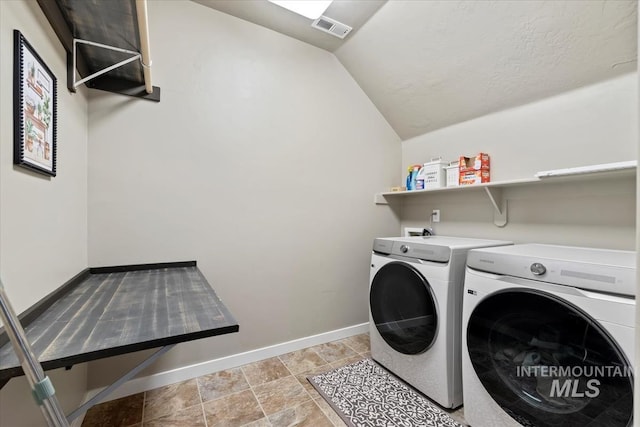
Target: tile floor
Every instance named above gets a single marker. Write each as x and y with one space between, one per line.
271 392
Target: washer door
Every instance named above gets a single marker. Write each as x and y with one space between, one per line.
547 363
403 308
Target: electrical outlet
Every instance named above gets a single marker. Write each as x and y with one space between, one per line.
435 215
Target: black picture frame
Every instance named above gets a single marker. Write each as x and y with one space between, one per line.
35 142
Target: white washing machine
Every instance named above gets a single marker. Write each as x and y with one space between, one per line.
548 336
415 297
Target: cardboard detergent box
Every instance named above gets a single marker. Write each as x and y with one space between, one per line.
478 162
471 177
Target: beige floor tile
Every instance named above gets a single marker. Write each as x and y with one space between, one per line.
302 360
307 414
330 412
123 412
233 410
278 395
359 343
169 399
265 370
191 416
302 379
263 422
334 351
343 362
260 394
221 384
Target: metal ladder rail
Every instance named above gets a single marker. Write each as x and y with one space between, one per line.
43 391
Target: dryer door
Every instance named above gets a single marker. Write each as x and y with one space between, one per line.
547 362
403 308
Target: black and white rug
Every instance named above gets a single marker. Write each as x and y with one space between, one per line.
365 395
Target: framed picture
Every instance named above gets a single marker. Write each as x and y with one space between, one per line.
35 110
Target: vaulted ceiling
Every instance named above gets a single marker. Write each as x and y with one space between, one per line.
354 13
429 64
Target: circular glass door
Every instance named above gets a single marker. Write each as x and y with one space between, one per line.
403 308
547 363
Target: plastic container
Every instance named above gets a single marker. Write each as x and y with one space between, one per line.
453 173
412 176
420 179
434 174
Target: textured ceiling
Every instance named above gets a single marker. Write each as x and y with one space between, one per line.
430 64
427 64
354 13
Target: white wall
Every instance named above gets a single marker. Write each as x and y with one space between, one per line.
592 125
260 162
431 64
18 409
43 221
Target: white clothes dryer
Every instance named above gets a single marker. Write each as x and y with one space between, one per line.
415 297
548 336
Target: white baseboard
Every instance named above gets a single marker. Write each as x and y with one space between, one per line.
150 382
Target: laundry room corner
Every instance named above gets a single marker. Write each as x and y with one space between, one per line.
260 176
272 213
544 135
42 219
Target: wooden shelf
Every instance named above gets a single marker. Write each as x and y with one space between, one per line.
494 189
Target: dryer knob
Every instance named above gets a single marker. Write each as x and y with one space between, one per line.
538 269
404 249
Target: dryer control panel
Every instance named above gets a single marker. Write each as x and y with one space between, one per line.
610 271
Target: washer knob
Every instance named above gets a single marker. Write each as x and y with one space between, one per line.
404 249
538 269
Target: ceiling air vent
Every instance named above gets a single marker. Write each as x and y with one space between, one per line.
331 26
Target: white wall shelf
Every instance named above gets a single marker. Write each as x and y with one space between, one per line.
494 189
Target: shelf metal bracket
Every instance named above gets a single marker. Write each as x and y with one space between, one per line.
499 206
136 56
379 199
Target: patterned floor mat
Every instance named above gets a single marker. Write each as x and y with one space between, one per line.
366 395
